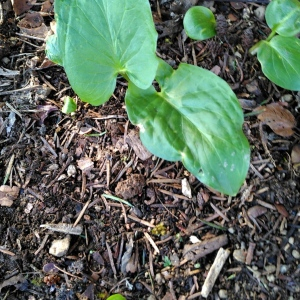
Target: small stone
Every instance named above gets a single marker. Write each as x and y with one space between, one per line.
260 13
60 248
223 294
239 255
231 230
270 269
159 279
271 278
296 254
284 269
287 98
291 240
71 171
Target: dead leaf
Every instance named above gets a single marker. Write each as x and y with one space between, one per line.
256 211
21 6
282 210
280 120
85 164
33 24
8 194
295 156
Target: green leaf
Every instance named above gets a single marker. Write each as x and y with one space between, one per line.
116 297
97 40
195 118
283 17
279 59
69 105
199 23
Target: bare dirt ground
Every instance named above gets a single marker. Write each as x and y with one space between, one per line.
64 171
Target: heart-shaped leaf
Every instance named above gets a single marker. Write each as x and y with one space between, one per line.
199 23
279 59
195 118
97 40
283 17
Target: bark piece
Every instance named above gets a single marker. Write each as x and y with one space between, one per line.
198 250
214 272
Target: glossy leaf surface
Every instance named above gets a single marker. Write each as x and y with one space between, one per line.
97 40
283 16
280 59
195 118
199 23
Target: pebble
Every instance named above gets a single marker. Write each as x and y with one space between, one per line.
239 255
223 294
284 269
291 240
296 254
287 98
60 248
260 13
71 171
270 268
271 278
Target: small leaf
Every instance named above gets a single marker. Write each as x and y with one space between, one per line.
196 118
283 17
280 120
97 40
116 297
69 105
279 59
199 23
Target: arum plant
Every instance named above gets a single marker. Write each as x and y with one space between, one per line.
193 117
278 55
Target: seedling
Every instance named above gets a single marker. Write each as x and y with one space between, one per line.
278 55
167 261
193 117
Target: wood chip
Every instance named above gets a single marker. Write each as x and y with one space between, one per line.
214 271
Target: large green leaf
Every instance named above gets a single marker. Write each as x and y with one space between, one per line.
280 61
197 119
95 40
199 23
283 17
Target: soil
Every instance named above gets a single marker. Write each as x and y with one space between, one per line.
117 216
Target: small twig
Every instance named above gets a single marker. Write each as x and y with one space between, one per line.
111 259
214 272
42 245
81 213
149 238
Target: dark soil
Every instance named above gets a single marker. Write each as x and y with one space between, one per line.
66 170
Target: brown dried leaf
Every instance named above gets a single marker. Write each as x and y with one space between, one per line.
8 194
21 6
295 156
281 209
256 211
280 120
85 164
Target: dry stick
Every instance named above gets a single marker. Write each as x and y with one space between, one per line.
69 160
42 245
111 259
214 272
250 251
195 251
152 242
81 213
136 219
